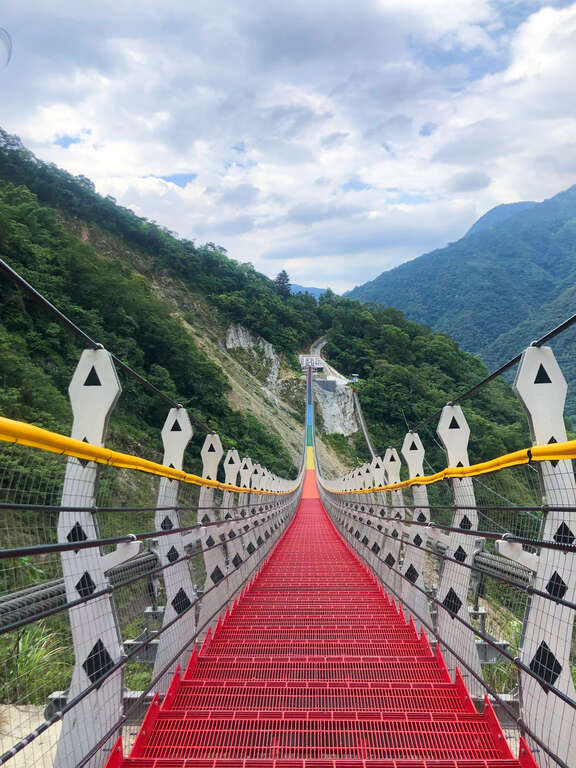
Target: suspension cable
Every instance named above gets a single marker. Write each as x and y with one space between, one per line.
20 745
499 371
486 638
476 676
126 582
510 537
44 549
88 341
509 582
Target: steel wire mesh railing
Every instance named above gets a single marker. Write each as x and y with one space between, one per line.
484 556
36 639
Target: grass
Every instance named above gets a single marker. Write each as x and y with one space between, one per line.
33 664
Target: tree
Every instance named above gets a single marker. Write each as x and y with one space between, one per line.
282 284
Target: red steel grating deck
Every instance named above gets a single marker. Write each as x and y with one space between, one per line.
315 667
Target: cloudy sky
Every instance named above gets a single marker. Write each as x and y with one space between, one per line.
330 138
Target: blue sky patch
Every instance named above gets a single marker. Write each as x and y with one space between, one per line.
355 185
428 129
180 179
66 141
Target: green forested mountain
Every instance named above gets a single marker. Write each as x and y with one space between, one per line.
122 300
499 214
497 288
408 372
115 306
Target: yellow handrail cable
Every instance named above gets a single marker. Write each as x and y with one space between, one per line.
12 431
551 452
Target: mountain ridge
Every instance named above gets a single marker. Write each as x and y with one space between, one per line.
493 280
163 305
499 214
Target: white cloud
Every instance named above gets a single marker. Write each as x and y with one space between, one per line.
333 139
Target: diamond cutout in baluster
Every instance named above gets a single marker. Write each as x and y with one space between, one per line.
365 540
556 586
417 540
390 560
166 524
545 664
210 541
231 535
181 602
216 575
375 548
98 663
465 523
460 555
172 554
205 520
76 534
85 587
251 548
554 462
452 602
395 533
412 574
564 535
421 517
259 541
83 462
237 560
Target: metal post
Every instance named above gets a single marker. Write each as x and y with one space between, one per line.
212 544
547 632
454 433
230 503
180 594
414 559
94 391
394 527
379 476
248 544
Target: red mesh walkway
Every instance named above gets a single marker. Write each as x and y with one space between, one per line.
316 667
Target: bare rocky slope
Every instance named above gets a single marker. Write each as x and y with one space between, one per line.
261 381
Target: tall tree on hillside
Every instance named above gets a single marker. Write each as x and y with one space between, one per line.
282 284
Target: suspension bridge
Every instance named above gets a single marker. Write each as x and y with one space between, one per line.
317 622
